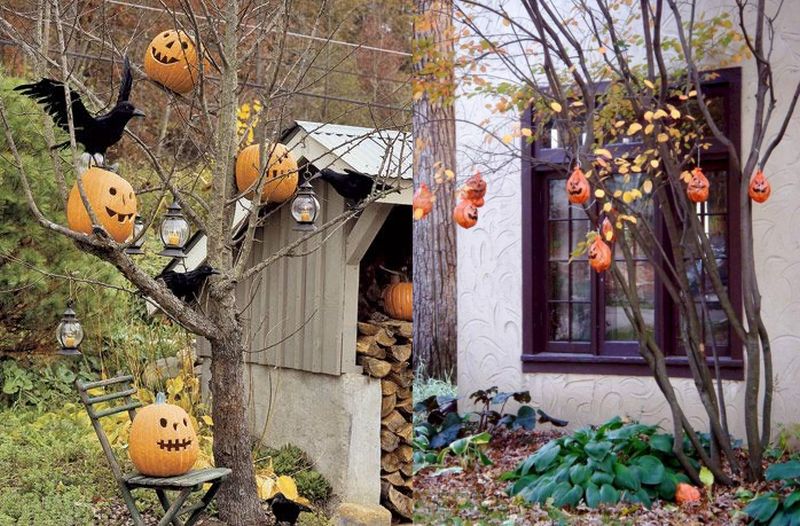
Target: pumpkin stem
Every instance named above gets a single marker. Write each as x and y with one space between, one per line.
161 398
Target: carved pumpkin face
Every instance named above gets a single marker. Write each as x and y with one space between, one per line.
607 231
172 60
698 187
422 203
760 188
281 178
113 202
466 214
577 187
474 190
163 442
599 255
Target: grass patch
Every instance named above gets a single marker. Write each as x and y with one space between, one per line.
425 386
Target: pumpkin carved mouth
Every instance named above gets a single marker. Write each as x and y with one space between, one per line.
120 217
175 445
163 58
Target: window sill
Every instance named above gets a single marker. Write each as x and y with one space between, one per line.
677 366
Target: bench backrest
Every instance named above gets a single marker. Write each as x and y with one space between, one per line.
118 391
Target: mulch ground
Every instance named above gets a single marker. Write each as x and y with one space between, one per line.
478 497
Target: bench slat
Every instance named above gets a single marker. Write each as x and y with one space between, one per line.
103 383
112 396
188 480
118 409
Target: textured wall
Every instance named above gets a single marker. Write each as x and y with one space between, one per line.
489 277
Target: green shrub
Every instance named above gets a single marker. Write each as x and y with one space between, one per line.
313 486
614 462
292 461
778 508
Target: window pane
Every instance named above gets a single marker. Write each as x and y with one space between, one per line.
559 206
558 240
717 231
719 326
617 325
579 229
718 194
581 281
581 322
559 321
559 281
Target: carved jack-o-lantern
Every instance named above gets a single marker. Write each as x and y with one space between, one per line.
173 61
607 231
577 187
422 203
760 188
163 442
466 214
281 178
599 255
474 190
698 186
112 200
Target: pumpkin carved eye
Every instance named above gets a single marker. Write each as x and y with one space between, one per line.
184 45
165 35
112 191
163 422
184 423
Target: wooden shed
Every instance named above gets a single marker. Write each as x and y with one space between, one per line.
305 386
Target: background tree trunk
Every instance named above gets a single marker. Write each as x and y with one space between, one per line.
433 126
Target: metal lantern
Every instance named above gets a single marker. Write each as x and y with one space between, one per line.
305 207
69 332
174 232
135 249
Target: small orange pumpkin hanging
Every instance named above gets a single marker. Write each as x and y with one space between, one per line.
162 442
474 190
281 181
422 203
172 60
577 187
466 214
599 255
698 186
607 230
760 188
113 202
686 493
398 299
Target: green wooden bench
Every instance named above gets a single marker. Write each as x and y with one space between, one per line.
122 389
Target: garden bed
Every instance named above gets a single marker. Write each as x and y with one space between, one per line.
478 496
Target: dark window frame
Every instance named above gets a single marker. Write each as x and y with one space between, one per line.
535 354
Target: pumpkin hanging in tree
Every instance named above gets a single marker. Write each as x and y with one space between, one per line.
465 214
112 200
282 174
163 442
599 255
607 230
474 190
577 187
173 61
698 187
422 203
759 188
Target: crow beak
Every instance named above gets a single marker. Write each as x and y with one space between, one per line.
138 113
215 271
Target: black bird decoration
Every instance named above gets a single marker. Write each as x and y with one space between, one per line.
285 510
96 134
187 285
545 418
352 185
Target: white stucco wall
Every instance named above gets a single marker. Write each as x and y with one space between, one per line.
490 275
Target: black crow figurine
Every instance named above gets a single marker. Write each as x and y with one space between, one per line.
285 510
351 185
187 285
96 134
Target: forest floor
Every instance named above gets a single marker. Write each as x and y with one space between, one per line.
477 496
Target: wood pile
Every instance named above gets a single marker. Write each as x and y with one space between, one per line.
384 350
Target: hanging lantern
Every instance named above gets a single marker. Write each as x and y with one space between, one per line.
69 332
174 232
305 208
137 240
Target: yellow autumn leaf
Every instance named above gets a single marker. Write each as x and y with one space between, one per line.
208 420
662 137
619 124
693 93
603 152
577 103
607 207
288 487
686 176
673 112
555 106
627 197
633 128
266 487
526 132
647 186
609 235
636 193
636 168
618 193
618 224
649 84
449 174
654 163
599 193
507 138
648 129
659 114
648 115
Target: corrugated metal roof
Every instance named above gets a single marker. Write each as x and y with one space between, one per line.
385 153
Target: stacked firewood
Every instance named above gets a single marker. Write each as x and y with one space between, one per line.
384 350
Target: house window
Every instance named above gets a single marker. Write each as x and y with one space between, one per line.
574 318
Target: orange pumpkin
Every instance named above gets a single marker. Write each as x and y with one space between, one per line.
172 60
698 186
760 188
398 299
113 202
422 203
577 187
607 230
686 493
599 255
162 442
474 190
466 214
282 173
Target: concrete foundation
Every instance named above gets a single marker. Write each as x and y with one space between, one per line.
335 419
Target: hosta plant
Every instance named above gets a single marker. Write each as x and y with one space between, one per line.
779 508
614 462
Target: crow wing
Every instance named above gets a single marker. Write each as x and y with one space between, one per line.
126 82
50 94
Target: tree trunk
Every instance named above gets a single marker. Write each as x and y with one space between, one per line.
434 238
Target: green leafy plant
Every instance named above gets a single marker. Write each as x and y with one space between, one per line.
778 508
615 462
40 384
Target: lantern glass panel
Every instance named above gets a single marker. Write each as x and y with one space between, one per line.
305 208
174 232
69 334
